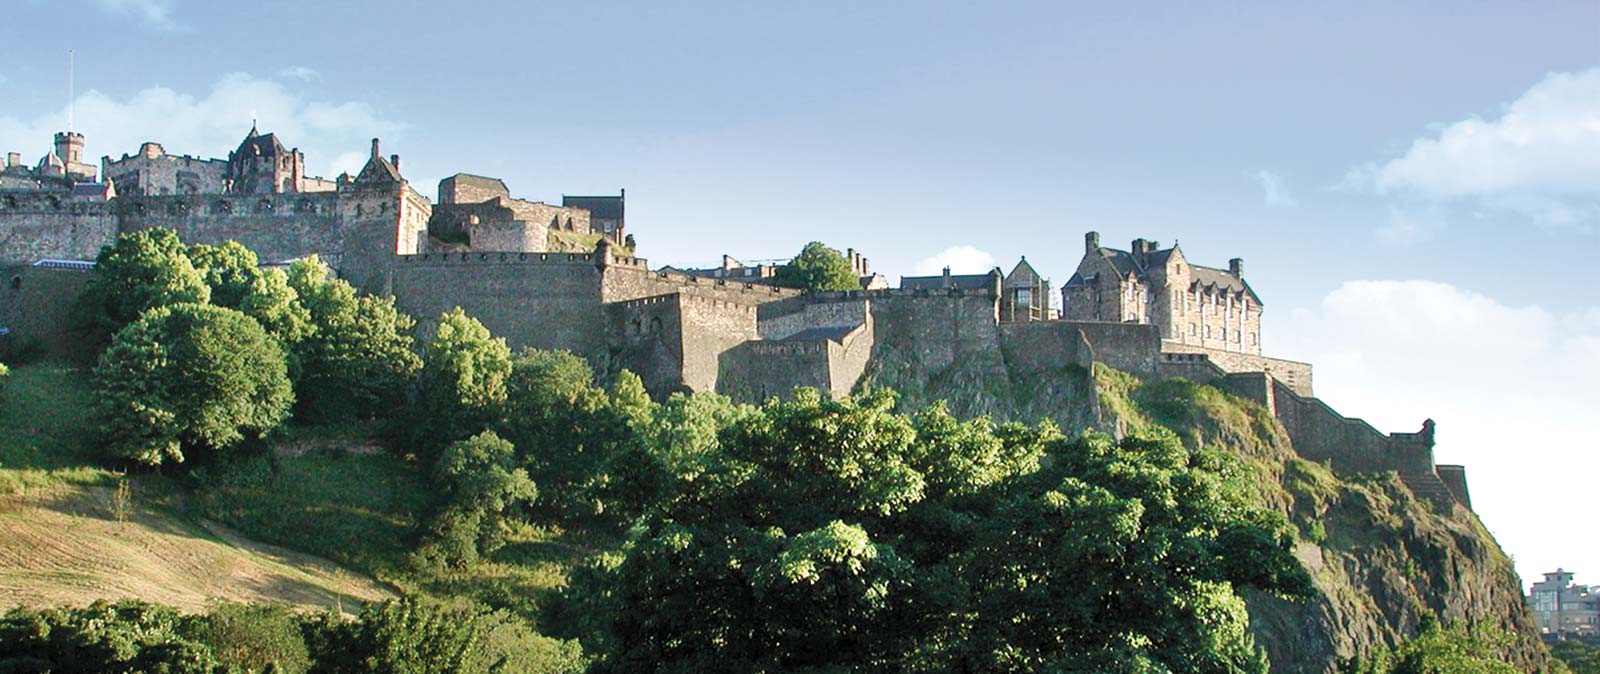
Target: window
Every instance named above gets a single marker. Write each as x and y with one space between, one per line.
16 283
1024 297
655 324
1208 332
1194 329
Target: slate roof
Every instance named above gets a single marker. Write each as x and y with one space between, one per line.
1124 263
1023 275
832 333
266 144
88 189
959 281
378 169
482 182
600 208
65 264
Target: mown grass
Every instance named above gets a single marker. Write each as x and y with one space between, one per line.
47 434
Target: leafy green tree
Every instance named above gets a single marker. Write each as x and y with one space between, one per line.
356 360
102 638
1438 649
827 535
819 268
252 637
230 270
277 307
480 484
189 377
463 380
1581 658
399 637
142 270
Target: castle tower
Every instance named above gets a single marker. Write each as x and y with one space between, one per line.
69 147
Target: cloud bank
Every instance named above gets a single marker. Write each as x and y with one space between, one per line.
1539 159
333 134
960 260
1511 388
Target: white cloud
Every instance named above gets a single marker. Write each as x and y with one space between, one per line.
1511 388
1540 158
960 260
155 14
211 124
1273 190
302 73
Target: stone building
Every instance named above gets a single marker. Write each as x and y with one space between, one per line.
58 170
1562 609
260 165
478 213
1192 305
607 214
1026 295
766 271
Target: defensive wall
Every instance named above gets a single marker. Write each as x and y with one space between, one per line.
826 359
38 226
1296 375
35 309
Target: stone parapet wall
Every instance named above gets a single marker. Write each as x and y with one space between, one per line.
34 310
1295 374
52 226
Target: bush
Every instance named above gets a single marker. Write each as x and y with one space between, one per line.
252 636
480 482
189 377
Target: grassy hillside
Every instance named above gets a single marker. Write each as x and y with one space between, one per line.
71 533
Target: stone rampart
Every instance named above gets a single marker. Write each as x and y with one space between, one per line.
710 327
34 309
36 226
846 313
542 300
1295 374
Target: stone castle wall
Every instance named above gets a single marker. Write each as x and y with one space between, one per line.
35 304
542 300
34 227
1296 375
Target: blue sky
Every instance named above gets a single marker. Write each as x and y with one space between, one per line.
1415 190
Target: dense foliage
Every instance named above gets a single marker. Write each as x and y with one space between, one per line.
818 268
145 269
389 638
1581 658
1438 649
189 377
480 482
832 536
358 360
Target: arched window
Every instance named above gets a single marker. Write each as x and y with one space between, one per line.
16 283
655 324
638 326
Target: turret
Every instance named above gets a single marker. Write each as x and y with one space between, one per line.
69 147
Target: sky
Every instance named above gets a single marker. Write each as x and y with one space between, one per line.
1414 187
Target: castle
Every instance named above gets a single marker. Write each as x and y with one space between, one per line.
566 277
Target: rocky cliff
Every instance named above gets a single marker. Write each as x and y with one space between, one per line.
1381 558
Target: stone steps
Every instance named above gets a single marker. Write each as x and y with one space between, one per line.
1429 486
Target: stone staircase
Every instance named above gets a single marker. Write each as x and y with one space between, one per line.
1429 486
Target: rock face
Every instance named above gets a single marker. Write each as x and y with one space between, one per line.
1382 559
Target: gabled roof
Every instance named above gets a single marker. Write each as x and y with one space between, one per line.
256 143
378 170
1023 275
1206 277
600 208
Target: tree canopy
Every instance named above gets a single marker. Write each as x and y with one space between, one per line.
818 268
189 377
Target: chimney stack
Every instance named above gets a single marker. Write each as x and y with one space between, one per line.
395 160
13 159
947 277
375 153
727 263
1091 242
1236 267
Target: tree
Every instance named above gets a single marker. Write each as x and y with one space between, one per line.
189 377
399 637
830 535
463 377
104 637
819 268
356 359
480 483
230 270
143 270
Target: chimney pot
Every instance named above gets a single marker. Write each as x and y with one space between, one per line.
375 153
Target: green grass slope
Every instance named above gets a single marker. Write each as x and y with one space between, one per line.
71 533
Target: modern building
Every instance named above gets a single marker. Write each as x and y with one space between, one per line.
1561 608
